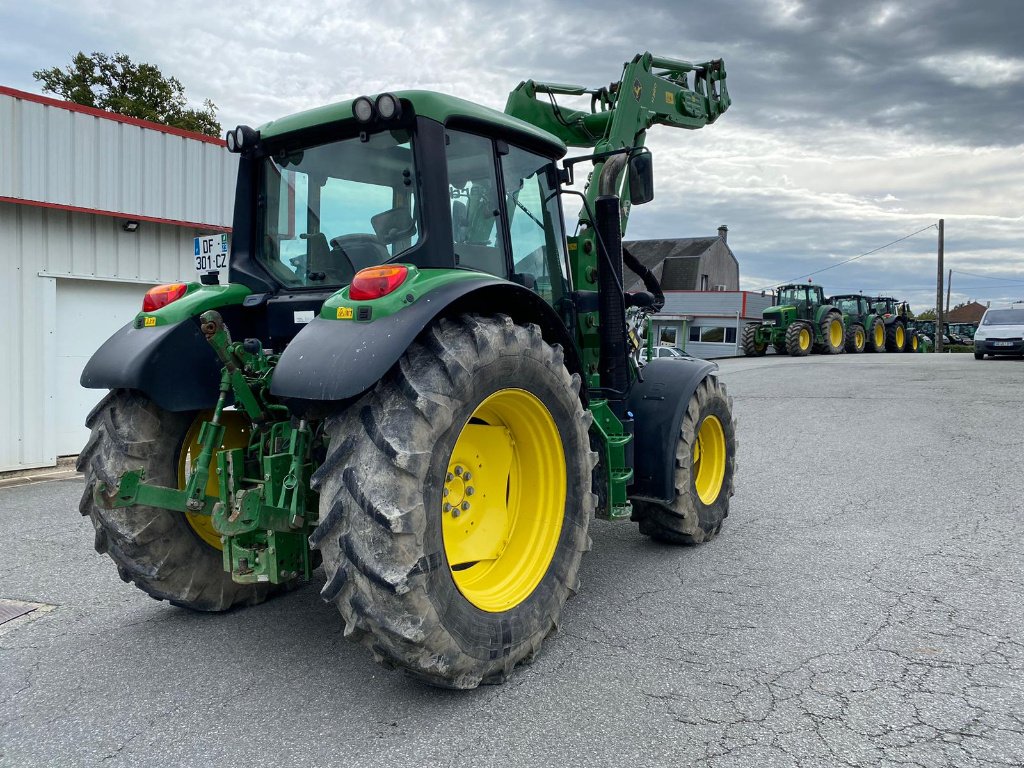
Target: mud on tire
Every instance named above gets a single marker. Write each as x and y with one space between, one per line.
156 549
689 520
381 504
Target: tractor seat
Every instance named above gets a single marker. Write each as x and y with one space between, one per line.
359 251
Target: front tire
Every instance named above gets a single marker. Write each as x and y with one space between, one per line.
799 339
832 333
456 601
896 338
751 346
158 550
705 467
876 336
855 338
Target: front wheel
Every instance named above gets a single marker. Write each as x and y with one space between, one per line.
751 346
896 338
799 339
705 466
832 333
855 338
455 501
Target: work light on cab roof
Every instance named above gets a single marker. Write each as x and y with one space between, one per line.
241 138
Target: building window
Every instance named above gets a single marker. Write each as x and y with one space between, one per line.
712 334
667 335
704 282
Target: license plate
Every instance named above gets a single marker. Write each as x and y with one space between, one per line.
1002 343
211 253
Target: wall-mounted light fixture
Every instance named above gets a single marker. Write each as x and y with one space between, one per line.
130 226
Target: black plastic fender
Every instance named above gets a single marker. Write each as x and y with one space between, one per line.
658 404
339 359
172 364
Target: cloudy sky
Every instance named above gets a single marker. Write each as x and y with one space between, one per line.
853 123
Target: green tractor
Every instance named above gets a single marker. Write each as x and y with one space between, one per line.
900 336
414 377
865 330
801 321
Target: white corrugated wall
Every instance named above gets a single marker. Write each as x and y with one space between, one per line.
39 248
55 156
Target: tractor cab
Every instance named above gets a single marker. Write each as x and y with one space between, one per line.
804 299
414 179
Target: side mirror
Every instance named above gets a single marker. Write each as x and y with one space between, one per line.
641 178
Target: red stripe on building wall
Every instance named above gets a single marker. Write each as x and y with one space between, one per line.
115 214
70 106
743 309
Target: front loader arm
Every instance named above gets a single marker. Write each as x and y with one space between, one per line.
652 91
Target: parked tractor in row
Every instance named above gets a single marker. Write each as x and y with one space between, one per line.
414 378
803 320
800 321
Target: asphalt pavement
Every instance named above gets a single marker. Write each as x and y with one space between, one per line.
863 606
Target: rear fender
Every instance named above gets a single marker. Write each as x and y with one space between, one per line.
172 364
333 360
658 404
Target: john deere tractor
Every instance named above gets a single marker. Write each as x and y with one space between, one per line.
865 330
899 335
801 321
414 377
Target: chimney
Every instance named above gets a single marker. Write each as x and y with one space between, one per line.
723 232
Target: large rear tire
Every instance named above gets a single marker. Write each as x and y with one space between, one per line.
913 343
833 333
855 338
896 338
455 501
705 467
159 550
751 346
799 339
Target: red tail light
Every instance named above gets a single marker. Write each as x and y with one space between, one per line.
374 282
162 295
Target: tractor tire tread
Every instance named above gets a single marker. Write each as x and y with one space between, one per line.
372 537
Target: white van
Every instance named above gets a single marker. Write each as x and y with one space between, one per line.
1001 332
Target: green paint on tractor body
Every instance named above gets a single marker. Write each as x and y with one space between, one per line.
795 303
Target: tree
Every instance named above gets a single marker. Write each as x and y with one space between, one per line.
928 314
117 84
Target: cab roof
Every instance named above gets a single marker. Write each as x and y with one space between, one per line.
435 106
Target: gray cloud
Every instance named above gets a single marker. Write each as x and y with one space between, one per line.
853 123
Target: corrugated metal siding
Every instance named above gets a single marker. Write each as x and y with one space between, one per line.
53 155
61 244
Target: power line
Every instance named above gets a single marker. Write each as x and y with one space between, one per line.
987 277
854 258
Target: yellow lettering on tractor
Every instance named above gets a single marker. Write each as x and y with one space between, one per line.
345 313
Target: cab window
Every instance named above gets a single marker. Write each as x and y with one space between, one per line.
535 224
474 193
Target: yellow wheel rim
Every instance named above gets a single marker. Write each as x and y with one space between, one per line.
858 339
805 338
913 343
879 335
503 500
709 459
899 336
835 333
236 435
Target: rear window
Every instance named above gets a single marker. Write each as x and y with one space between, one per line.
1004 317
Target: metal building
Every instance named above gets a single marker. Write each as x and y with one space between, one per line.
94 209
708 324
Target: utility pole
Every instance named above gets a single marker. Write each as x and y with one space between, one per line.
939 314
949 288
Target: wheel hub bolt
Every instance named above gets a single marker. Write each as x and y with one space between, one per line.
467 476
444 492
470 491
447 507
455 513
458 470
465 506
449 477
